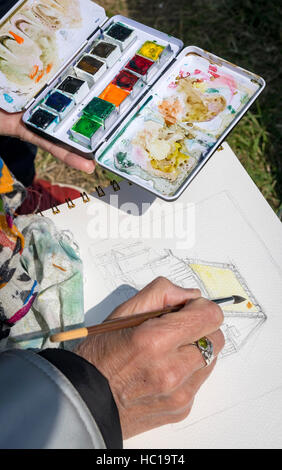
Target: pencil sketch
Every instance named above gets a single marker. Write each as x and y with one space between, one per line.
134 265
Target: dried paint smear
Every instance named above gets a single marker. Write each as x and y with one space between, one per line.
33 44
180 123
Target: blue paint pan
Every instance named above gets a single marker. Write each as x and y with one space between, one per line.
59 103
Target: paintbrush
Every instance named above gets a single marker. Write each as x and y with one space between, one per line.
130 321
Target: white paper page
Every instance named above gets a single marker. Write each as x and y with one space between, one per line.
234 226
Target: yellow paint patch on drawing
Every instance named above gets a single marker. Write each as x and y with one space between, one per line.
223 282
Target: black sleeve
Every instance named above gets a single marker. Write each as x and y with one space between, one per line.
94 389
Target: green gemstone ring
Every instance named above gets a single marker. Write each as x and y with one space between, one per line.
205 346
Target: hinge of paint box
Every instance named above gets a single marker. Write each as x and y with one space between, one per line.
34 98
98 27
91 35
41 91
68 63
28 105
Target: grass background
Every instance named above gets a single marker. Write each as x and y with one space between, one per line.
245 32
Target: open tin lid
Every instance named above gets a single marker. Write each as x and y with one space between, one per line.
37 39
164 142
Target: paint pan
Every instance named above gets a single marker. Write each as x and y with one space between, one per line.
108 52
143 67
43 119
120 35
75 88
100 111
156 52
117 96
86 131
88 67
151 50
127 81
59 102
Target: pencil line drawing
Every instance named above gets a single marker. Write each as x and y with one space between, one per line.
134 265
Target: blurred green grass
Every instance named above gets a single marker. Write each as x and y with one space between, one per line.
245 32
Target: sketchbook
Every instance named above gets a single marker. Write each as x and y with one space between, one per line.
221 236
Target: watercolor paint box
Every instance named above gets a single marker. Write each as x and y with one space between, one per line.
119 92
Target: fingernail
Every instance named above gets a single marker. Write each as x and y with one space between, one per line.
90 169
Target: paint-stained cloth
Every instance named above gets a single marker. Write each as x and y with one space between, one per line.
17 289
41 281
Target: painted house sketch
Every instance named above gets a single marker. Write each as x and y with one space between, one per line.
134 265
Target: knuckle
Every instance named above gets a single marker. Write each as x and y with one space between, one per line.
148 342
196 291
180 416
180 399
168 380
161 281
154 346
213 311
186 412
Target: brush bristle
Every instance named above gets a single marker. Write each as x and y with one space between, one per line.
238 299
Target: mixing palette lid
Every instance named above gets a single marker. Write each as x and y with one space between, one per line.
37 37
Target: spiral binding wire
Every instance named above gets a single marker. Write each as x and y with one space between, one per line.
55 210
70 203
115 185
100 191
85 197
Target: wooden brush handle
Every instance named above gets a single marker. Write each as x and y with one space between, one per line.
112 325
129 321
68 335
